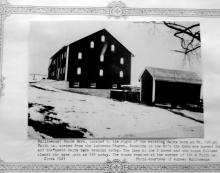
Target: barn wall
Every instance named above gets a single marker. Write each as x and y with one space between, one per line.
90 63
177 92
56 69
146 88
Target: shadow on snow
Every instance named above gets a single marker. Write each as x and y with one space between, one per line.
53 127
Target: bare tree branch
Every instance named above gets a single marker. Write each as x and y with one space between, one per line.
189 36
183 29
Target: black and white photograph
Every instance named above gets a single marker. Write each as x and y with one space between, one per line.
115 79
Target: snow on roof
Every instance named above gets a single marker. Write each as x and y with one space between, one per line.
173 75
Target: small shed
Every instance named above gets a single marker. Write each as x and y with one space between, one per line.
175 87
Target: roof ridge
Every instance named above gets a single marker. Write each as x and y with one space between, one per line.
103 29
173 75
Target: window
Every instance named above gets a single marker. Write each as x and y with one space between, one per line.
79 71
58 70
76 84
80 55
112 47
102 38
121 74
122 61
64 56
92 44
64 70
102 58
100 72
114 85
93 85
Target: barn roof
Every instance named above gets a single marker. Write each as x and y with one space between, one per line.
173 75
95 33
105 31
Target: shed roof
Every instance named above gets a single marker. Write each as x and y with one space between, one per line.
173 75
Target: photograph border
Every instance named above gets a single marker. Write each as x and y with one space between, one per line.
115 9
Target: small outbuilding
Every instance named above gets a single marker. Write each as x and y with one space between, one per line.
175 87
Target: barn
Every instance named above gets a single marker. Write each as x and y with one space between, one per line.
98 60
164 86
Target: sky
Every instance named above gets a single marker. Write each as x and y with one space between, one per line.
151 44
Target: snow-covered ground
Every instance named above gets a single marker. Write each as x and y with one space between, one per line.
60 114
36 77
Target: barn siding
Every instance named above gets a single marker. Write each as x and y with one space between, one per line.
179 88
90 62
56 64
146 88
177 92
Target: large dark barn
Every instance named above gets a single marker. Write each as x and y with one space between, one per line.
95 61
170 87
